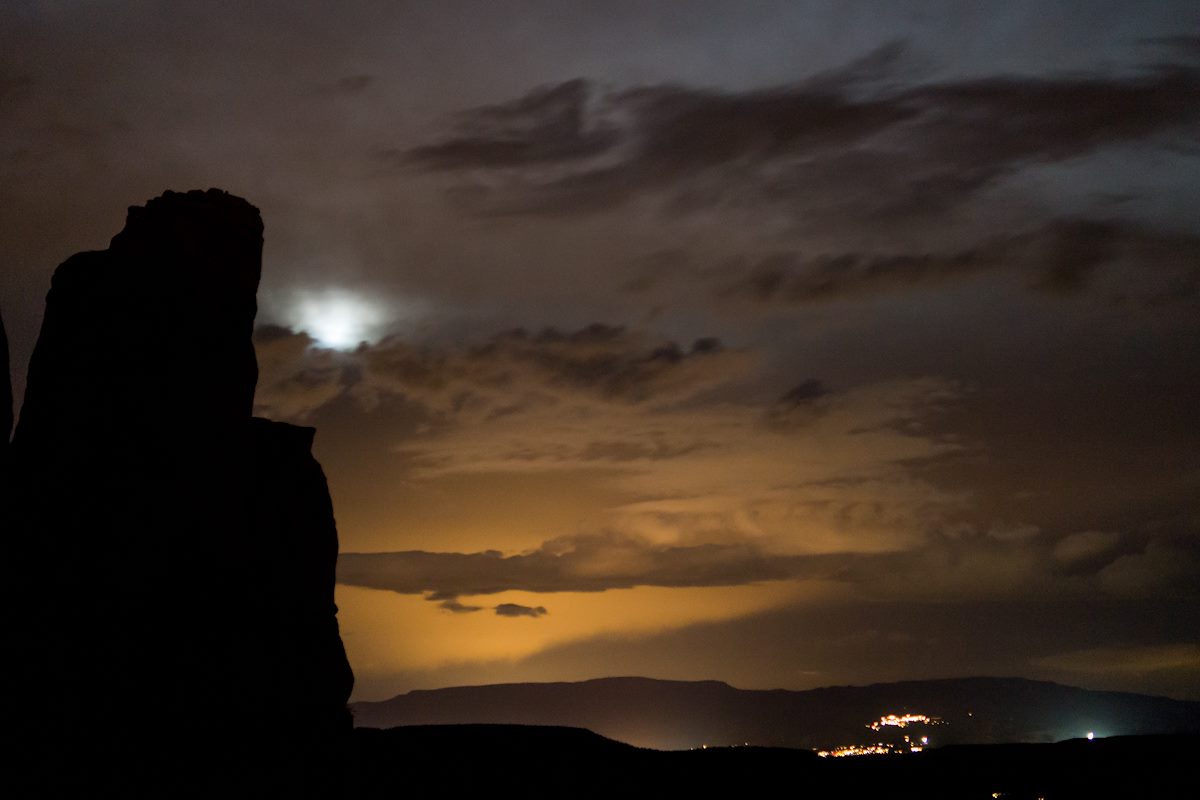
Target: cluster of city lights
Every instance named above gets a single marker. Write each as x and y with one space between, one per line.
903 721
877 749
910 744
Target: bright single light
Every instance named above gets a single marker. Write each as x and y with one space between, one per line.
337 318
1091 735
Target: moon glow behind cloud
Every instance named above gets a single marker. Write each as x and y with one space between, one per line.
338 319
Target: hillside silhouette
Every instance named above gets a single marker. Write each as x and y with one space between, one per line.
521 741
681 714
171 558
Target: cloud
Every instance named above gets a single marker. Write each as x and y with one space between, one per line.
789 277
516 610
549 125
1085 547
844 140
799 404
830 495
354 84
295 377
937 566
667 135
804 392
516 369
1061 258
592 563
656 426
1163 567
457 607
508 373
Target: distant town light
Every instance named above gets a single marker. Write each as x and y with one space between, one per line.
903 721
882 748
1091 735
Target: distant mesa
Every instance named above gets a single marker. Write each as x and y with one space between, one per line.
680 715
171 563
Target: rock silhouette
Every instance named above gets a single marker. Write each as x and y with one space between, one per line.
172 584
6 411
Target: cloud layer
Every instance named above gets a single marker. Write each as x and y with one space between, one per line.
793 344
854 140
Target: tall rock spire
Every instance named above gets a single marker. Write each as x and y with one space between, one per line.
6 406
158 326
178 554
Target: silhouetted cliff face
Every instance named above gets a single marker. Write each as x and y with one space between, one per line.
177 555
6 411
155 330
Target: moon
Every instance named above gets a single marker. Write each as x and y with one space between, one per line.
339 319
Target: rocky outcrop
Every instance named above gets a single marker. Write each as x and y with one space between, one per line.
6 410
177 555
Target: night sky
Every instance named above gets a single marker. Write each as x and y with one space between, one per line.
787 344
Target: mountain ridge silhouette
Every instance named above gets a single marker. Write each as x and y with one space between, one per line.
667 714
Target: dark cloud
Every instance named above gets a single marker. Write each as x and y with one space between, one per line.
295 377
660 265
457 607
798 406
1074 249
804 392
1089 552
354 84
266 334
1058 258
514 610
503 375
550 124
608 362
794 278
952 561
846 133
573 564
874 70
670 134
984 128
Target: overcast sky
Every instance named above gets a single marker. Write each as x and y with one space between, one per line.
787 344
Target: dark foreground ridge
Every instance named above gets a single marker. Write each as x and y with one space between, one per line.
170 563
471 761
